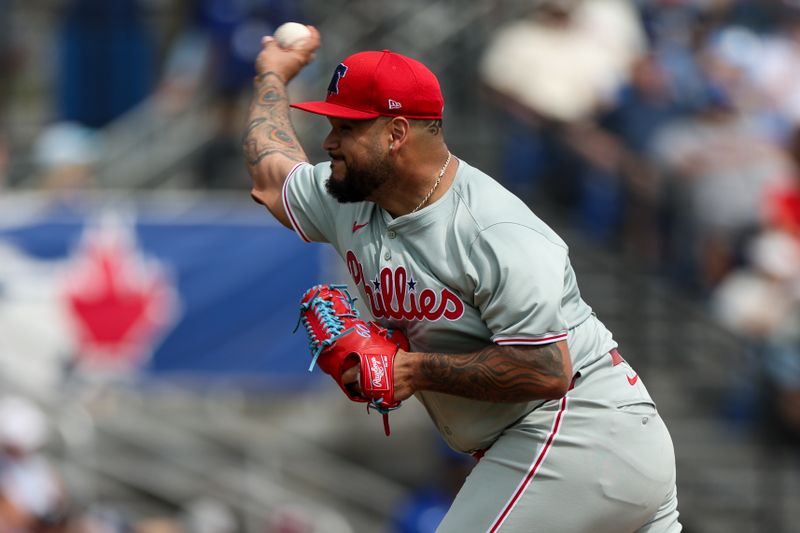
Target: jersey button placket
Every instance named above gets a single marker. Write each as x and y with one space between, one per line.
387 252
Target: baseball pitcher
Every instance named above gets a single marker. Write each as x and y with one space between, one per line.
475 307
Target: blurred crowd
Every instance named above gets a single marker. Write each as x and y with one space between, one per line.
36 496
38 492
35 499
669 130
32 497
98 61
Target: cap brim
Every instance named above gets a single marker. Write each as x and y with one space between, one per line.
334 110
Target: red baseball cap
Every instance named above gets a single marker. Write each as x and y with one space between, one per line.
371 84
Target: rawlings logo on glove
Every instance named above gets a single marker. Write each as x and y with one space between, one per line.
377 369
339 339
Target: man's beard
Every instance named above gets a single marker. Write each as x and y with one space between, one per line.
359 182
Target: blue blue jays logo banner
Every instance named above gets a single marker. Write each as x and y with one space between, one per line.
185 285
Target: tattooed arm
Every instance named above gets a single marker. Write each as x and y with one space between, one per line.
494 374
270 143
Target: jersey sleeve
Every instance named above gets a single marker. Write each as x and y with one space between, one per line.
308 205
518 275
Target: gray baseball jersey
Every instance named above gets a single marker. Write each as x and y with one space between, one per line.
475 267
478 267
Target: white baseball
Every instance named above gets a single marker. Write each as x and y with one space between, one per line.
291 34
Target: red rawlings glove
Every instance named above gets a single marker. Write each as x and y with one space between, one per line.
339 339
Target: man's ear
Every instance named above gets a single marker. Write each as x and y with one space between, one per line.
399 129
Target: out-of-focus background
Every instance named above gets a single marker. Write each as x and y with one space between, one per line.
149 377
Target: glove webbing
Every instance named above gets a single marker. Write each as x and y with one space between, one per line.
331 322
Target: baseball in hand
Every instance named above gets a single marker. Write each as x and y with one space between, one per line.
291 34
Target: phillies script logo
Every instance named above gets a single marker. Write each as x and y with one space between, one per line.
392 294
377 366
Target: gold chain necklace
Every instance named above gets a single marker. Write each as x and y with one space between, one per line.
436 183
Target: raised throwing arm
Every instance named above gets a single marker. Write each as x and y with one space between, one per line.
270 143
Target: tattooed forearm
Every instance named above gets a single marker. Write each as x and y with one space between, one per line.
253 125
270 131
280 142
254 156
269 74
497 373
271 97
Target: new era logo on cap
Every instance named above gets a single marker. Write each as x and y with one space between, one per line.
371 84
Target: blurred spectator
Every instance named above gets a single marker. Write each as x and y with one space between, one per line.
761 302
235 30
213 50
676 31
207 515
213 56
564 60
718 166
106 60
65 154
32 498
776 69
755 299
554 70
643 106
